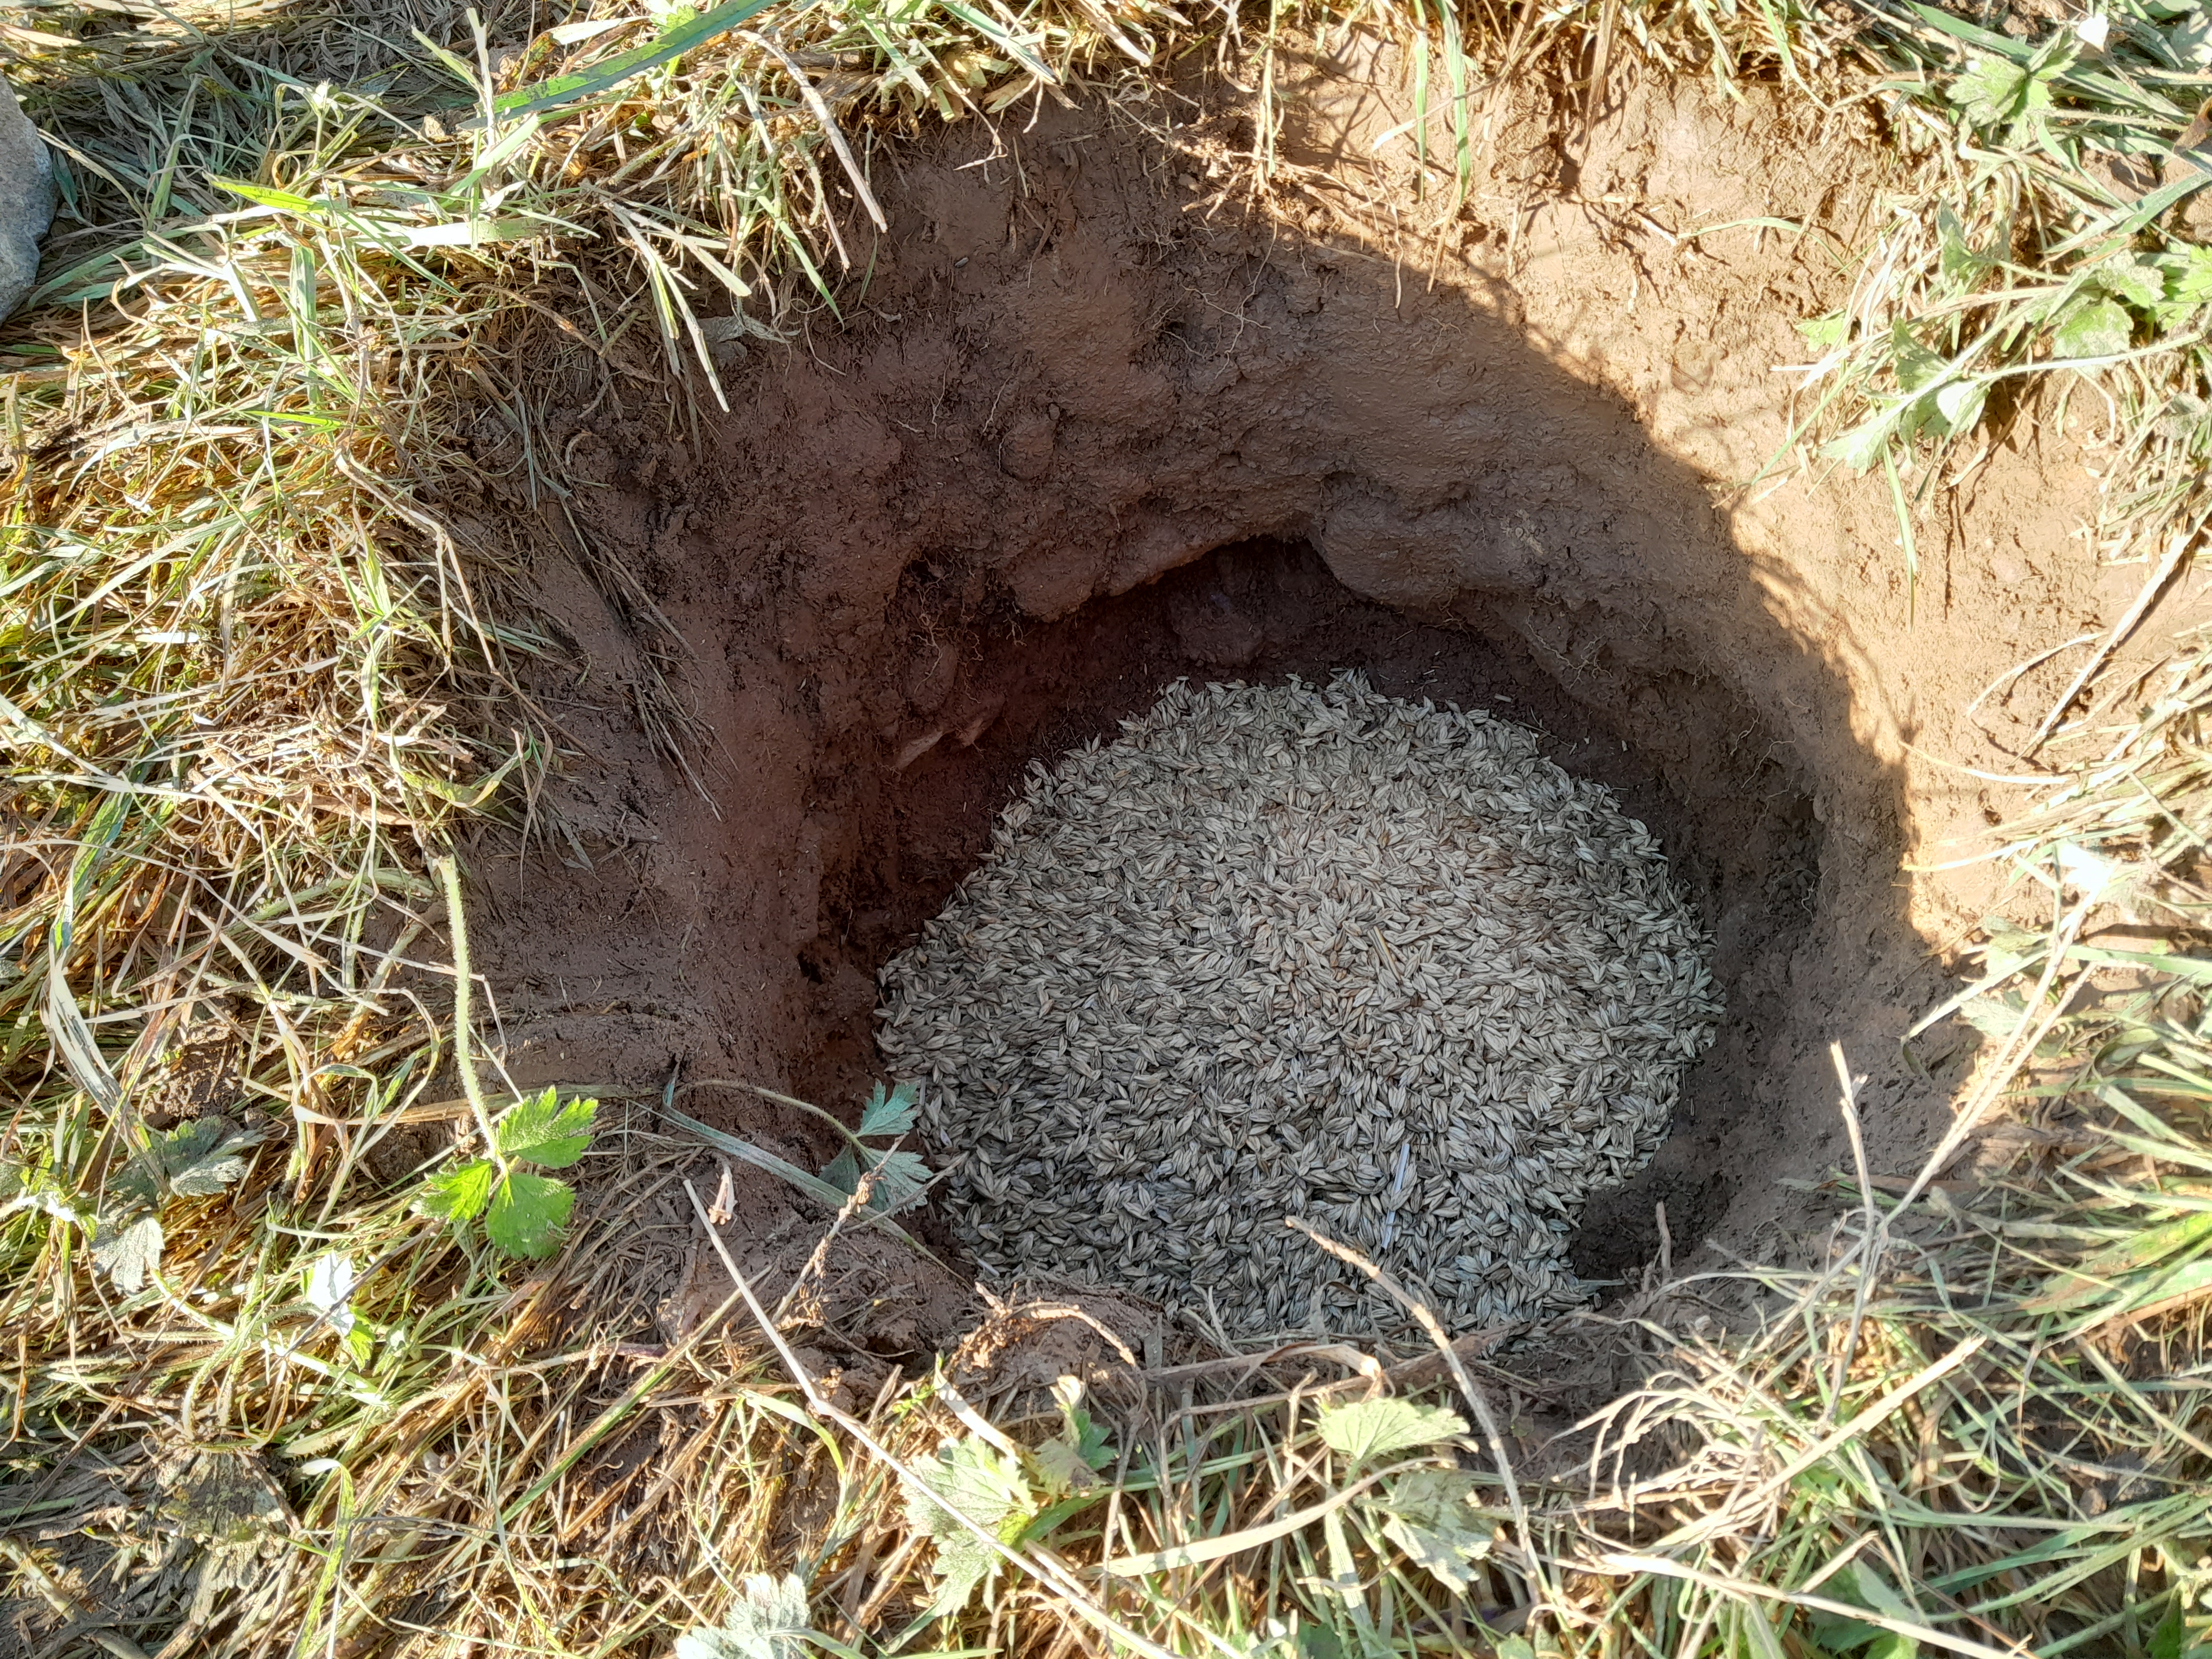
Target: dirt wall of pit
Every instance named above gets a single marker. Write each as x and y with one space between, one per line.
1088 354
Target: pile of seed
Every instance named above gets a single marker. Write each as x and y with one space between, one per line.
1283 951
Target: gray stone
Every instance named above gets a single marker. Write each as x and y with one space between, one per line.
27 200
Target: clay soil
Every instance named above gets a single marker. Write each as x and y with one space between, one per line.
1098 417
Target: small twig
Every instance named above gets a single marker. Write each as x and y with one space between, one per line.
1480 1406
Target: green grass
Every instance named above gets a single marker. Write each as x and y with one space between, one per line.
255 660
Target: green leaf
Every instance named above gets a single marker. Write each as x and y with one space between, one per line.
262 195
671 44
1861 1586
899 1177
139 1180
128 1250
893 1115
963 1562
769 1620
1959 261
543 1130
1089 1440
1993 93
529 1214
812 1185
2169 1640
1368 1431
200 1158
1827 332
990 1489
1863 446
2186 284
2125 277
1430 1514
1913 364
194 1160
1060 1467
458 1195
1960 405
843 1172
2099 328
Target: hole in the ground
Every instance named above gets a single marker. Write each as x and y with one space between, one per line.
1736 825
982 503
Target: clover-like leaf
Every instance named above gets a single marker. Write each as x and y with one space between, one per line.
1914 365
843 1172
1862 446
197 1159
128 1249
1827 332
1367 1430
459 1193
529 1213
545 1130
1958 259
899 1177
1960 404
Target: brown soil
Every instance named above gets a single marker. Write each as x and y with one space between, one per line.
1093 422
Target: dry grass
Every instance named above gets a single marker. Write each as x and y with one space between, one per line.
316 282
